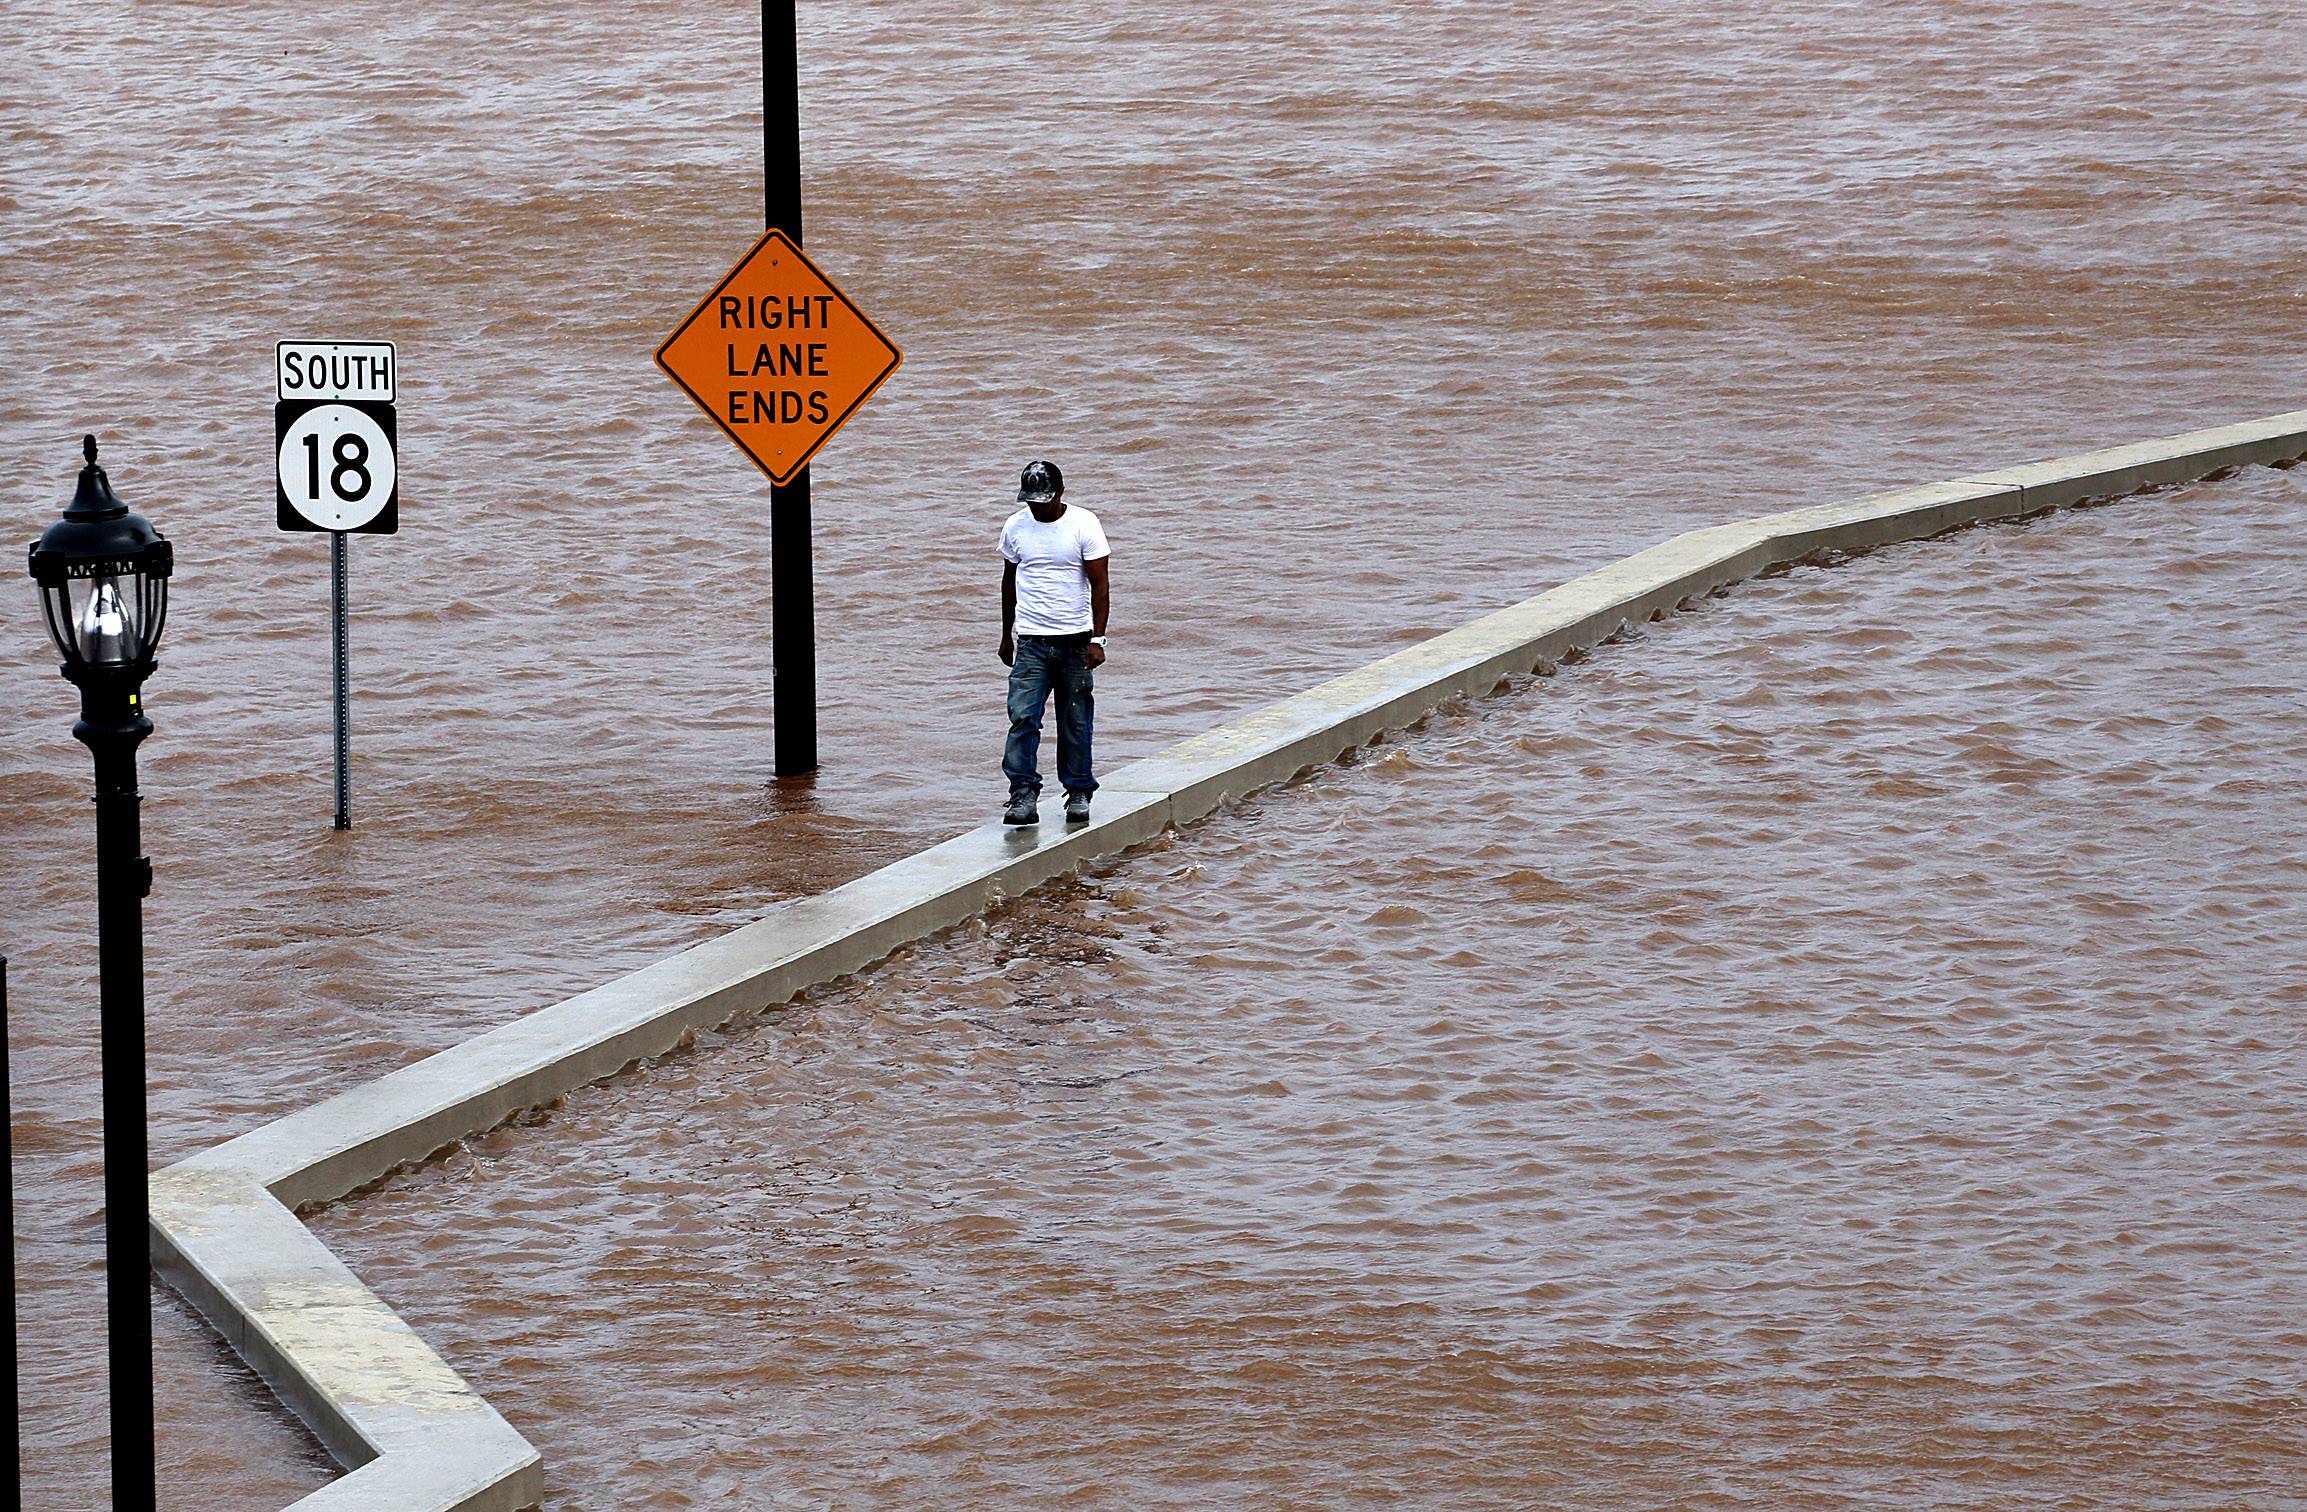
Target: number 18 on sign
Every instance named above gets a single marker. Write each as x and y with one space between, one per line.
337 470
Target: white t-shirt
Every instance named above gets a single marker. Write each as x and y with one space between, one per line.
1052 590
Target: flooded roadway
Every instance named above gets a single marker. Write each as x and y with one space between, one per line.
1350 322
1839 1049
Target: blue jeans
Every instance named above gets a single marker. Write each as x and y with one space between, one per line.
1044 664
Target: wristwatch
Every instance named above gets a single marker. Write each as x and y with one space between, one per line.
1098 641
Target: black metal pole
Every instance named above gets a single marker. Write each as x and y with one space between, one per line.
8 1202
111 726
340 580
792 594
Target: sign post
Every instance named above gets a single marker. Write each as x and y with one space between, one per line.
340 636
792 576
338 470
780 357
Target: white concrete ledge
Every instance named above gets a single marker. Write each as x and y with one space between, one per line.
413 1434
418 1439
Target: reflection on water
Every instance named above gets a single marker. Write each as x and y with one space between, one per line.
1350 321
1844 1047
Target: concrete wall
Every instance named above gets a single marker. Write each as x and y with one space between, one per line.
416 1438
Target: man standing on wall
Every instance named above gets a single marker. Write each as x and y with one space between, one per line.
1053 603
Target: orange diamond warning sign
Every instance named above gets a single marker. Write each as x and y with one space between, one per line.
778 356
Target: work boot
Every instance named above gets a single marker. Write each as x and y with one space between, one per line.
1024 808
1076 808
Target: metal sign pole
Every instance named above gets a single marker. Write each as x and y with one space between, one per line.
8 1209
340 573
793 608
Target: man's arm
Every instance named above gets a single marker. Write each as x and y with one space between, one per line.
1100 596
1008 648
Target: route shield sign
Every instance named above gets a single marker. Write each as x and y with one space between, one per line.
778 356
337 466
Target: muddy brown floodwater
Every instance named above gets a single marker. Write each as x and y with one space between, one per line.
1840 1049
1351 320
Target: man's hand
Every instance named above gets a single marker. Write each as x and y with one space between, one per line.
1008 651
1093 657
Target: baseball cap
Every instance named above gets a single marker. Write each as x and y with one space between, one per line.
1039 483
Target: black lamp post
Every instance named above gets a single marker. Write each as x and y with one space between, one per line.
103 576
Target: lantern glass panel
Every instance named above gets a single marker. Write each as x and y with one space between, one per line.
153 617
